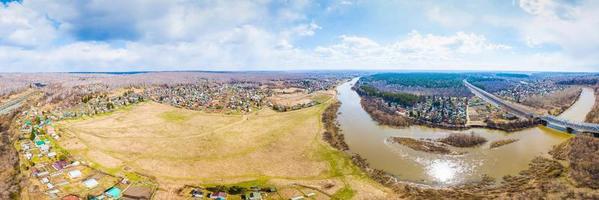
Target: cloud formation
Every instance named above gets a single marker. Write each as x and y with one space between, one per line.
96 35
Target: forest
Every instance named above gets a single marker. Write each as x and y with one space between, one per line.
404 99
490 84
427 80
513 75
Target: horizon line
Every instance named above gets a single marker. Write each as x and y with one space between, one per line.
296 70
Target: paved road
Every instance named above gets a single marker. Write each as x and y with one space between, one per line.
14 104
553 120
499 102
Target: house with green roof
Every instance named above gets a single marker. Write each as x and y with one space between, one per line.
113 192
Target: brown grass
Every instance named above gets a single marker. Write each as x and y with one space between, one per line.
463 140
179 146
156 139
421 145
499 143
582 152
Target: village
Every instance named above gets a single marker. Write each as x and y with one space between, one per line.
522 89
450 111
56 174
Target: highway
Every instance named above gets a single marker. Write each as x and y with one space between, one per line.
15 103
548 120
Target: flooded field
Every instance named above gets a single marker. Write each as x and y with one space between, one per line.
365 137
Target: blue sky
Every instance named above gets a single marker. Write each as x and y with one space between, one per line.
115 35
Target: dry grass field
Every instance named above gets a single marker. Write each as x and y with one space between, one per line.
295 98
177 146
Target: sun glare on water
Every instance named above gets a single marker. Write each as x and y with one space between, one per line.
443 171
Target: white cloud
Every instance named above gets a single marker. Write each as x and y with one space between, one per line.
306 29
548 8
450 18
22 26
572 27
338 5
47 35
414 50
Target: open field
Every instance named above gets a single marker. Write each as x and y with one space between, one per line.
297 98
178 146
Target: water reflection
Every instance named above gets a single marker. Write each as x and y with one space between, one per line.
443 171
367 138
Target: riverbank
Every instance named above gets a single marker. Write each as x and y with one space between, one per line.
385 117
593 115
418 175
379 112
545 177
332 133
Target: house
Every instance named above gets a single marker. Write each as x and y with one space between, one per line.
51 154
254 196
55 174
90 183
73 164
39 143
59 165
42 173
113 192
45 180
25 147
218 195
74 174
297 198
44 147
62 183
196 193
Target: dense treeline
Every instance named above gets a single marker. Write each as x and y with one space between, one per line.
332 133
404 99
513 75
579 81
512 125
490 84
382 115
9 181
463 140
428 80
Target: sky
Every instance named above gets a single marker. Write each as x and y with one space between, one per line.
167 35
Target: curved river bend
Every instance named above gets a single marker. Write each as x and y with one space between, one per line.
368 139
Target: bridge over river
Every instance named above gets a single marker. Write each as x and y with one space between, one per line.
547 120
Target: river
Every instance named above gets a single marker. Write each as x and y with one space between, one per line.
368 139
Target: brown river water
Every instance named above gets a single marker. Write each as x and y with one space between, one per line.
368 139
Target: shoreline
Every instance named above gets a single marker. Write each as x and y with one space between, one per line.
542 173
506 127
